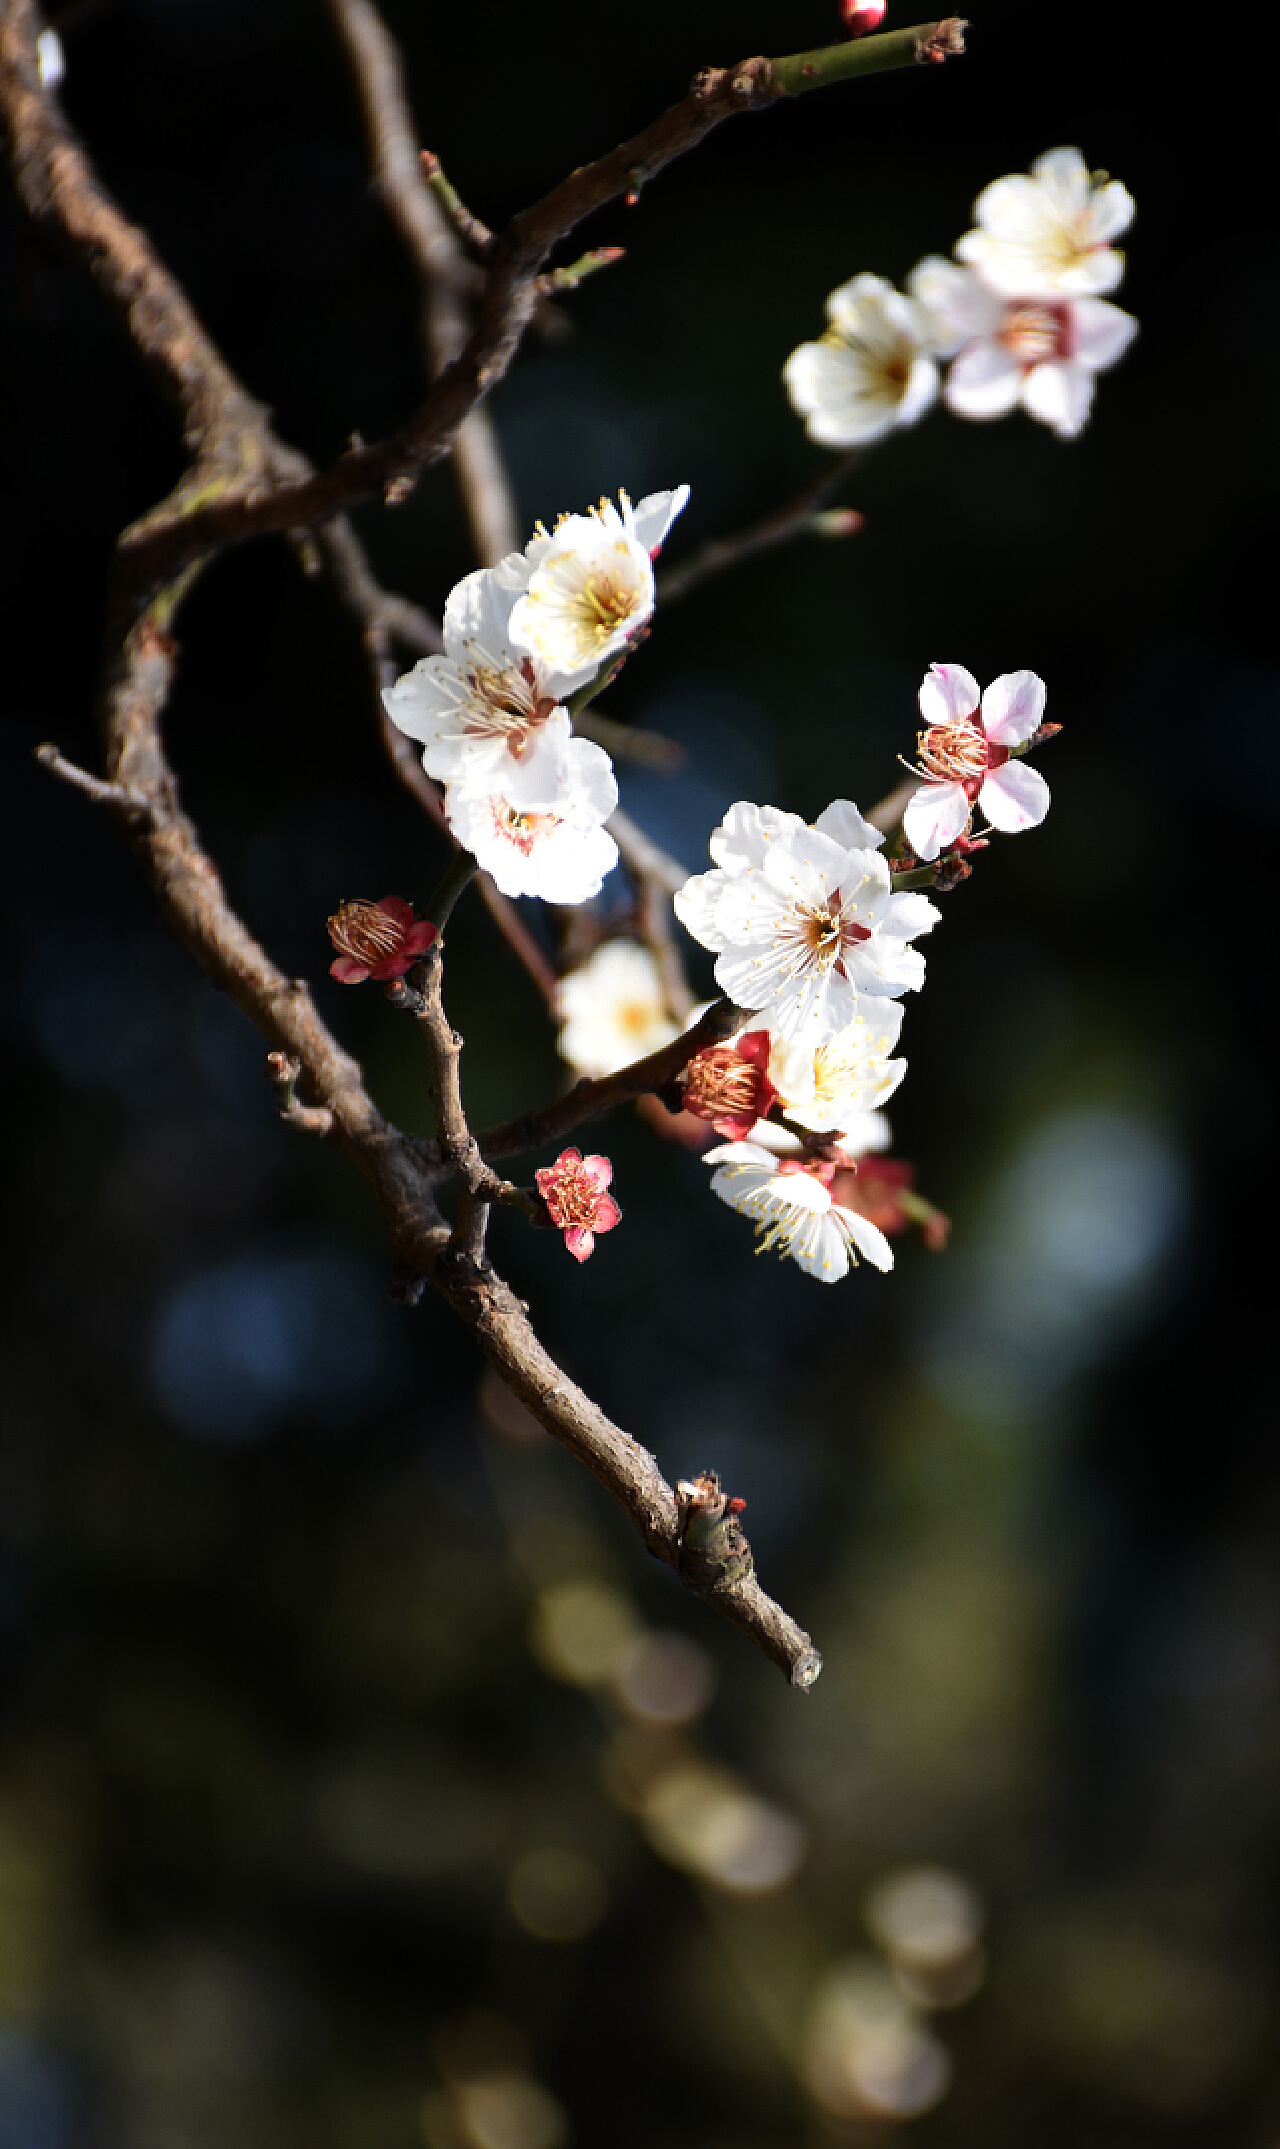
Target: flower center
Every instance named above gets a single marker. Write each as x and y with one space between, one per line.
521 829
721 1084
821 933
604 604
509 702
574 1199
953 753
1033 333
365 932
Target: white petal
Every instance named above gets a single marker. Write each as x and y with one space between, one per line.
479 607
844 824
1100 332
820 1248
1014 797
869 1240
984 382
1059 394
1110 212
740 1153
746 832
866 1133
1013 707
593 787
908 914
654 515
948 694
936 814
805 865
424 701
957 303
695 906
1065 177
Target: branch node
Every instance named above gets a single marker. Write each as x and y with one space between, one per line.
283 1071
121 798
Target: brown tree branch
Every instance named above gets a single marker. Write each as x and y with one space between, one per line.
185 528
551 1122
795 519
446 273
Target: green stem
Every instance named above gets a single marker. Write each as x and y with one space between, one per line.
801 71
461 869
587 694
918 877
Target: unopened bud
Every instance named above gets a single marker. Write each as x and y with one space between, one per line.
837 522
860 16
950 873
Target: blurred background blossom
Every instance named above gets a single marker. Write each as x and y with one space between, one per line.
361 1785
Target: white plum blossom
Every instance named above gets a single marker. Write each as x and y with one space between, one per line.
614 1008
1041 353
965 757
589 587
561 855
869 371
792 1209
1048 235
839 1083
487 715
803 919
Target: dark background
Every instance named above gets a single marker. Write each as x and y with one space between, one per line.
280 1712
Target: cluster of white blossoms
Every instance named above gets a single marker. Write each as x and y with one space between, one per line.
1020 313
523 794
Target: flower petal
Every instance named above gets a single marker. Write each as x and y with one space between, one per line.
599 1170
580 1242
936 814
869 1240
607 1214
348 971
653 516
844 824
948 694
1060 395
1100 332
746 832
695 906
1013 707
984 382
1014 797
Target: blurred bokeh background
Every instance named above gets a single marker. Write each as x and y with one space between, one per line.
362 1784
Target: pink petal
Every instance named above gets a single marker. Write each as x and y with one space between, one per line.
348 971
755 1047
393 966
580 1242
1014 797
948 694
545 1180
936 814
566 1156
419 937
396 907
735 1128
607 1215
599 1170
1013 707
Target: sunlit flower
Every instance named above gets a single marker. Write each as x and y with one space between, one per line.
729 1084
1041 353
791 1207
561 856
614 1008
869 371
377 940
1048 235
575 1190
486 713
590 585
811 926
964 755
839 1083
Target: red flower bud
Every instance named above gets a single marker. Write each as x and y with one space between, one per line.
730 1086
860 16
376 940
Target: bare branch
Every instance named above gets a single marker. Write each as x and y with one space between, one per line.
797 519
468 227
179 531
120 797
643 855
415 207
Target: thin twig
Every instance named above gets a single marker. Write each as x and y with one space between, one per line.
431 236
121 798
588 1097
795 519
645 857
